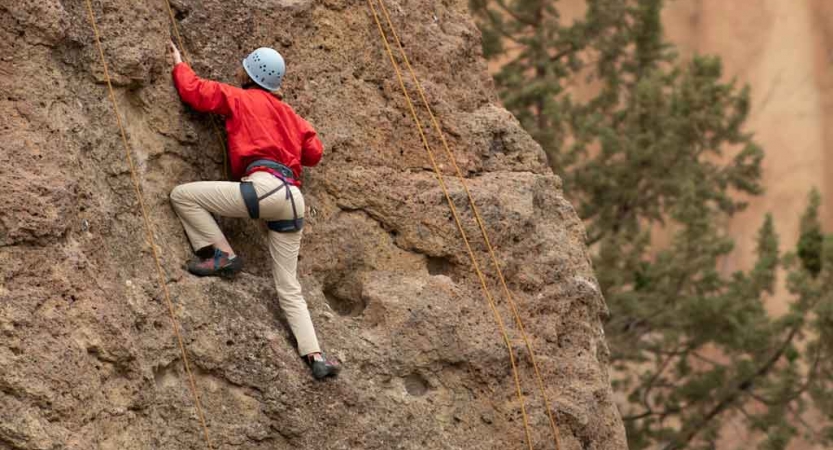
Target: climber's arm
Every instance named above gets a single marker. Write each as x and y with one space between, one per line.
311 147
202 95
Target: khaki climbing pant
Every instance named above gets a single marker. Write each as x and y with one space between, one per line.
195 202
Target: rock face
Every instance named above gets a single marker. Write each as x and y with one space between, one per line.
88 358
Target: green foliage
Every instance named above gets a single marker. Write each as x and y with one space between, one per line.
658 144
540 54
809 246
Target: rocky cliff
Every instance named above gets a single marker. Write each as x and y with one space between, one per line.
88 358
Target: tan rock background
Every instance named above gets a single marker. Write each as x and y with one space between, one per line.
784 50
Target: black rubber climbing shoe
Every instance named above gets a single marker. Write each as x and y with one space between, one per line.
218 265
321 366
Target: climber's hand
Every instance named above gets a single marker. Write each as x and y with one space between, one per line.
174 52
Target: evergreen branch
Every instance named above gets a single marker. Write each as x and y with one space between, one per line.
805 386
514 15
590 241
685 348
797 416
662 414
814 369
811 375
745 386
708 360
571 49
671 411
633 324
743 412
650 385
642 415
504 33
764 401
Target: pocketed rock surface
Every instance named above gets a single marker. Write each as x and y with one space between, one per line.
88 356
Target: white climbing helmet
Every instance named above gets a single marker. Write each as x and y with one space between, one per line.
266 67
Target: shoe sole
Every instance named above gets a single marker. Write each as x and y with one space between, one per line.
224 272
333 372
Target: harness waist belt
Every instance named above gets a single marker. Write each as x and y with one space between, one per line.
269 164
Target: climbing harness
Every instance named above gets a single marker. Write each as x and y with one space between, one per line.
477 217
250 197
149 229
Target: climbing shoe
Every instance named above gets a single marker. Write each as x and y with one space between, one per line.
322 367
218 265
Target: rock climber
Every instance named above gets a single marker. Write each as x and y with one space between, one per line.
267 145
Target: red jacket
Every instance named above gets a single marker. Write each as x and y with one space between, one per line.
259 126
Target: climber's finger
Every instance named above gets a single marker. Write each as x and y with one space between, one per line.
174 52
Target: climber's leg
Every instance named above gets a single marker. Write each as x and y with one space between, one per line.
194 203
283 248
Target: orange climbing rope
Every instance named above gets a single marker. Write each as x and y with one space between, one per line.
463 234
214 126
149 229
479 221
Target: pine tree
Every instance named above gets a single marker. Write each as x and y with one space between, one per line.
661 144
809 247
541 55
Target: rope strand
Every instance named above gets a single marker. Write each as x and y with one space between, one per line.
454 213
479 221
149 229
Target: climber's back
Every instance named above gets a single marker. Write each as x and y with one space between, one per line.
259 125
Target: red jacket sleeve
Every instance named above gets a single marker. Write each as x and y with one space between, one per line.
202 95
311 147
